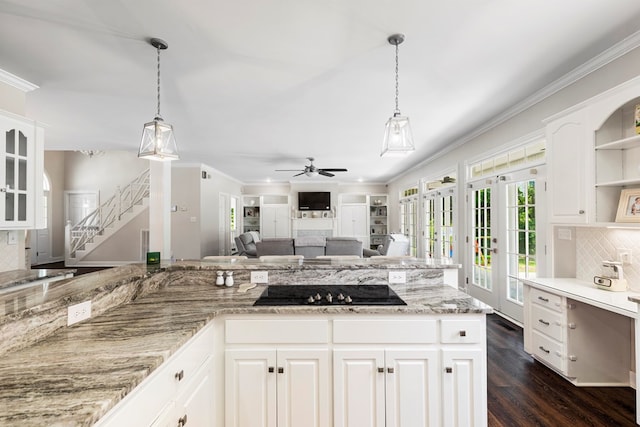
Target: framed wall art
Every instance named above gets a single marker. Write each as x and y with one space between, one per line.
629 205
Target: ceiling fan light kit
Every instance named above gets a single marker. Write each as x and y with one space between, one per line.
158 141
398 138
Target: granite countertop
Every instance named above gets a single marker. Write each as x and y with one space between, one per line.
73 376
15 279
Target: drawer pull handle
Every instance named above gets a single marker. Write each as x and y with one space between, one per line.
390 370
543 299
182 421
281 370
271 370
380 370
463 333
180 375
543 349
543 322
448 370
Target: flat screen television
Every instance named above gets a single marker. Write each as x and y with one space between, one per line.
314 200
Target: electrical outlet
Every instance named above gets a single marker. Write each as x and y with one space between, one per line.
397 277
259 277
624 255
78 312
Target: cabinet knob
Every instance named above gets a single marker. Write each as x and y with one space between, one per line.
543 299
381 370
543 322
281 370
448 369
179 375
390 370
573 358
182 421
271 370
544 349
572 325
581 211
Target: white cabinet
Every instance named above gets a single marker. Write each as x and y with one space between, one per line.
180 390
285 387
353 222
464 387
576 339
22 160
568 187
386 387
276 221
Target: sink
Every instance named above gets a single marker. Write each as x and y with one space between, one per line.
323 295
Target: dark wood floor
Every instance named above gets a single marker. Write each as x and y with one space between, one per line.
522 392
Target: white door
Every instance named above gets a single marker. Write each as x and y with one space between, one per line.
438 219
275 221
412 388
462 379
505 223
353 222
250 388
409 223
303 388
358 388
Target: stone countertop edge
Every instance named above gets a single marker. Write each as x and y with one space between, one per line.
136 338
19 277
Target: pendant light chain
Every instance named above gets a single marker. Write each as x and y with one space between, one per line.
158 49
397 110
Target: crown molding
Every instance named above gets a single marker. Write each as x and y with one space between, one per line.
17 82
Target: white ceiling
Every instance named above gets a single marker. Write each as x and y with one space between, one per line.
251 86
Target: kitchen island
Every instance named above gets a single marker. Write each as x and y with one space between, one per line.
145 321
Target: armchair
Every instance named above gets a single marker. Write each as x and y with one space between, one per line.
246 244
393 245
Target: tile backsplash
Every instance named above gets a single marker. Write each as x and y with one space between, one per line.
9 255
593 245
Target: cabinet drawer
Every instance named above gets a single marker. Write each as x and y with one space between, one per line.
182 367
458 331
246 331
548 322
545 348
392 331
546 299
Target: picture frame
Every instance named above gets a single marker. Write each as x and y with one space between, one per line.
629 205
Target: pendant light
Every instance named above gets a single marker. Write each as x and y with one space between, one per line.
398 139
158 141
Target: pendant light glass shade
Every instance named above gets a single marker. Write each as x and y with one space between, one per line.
158 141
398 139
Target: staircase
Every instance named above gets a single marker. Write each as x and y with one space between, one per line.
84 237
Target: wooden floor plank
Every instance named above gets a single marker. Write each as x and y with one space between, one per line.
524 392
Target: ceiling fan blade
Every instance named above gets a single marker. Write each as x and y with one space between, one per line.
324 172
289 170
334 170
298 174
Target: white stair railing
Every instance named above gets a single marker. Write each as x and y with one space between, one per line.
108 213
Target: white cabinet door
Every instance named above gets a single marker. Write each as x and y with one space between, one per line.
567 147
463 385
303 388
275 221
21 165
412 388
250 388
195 405
358 388
353 222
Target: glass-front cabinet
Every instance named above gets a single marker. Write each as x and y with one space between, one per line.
22 157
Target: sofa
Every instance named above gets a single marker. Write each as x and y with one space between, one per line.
309 246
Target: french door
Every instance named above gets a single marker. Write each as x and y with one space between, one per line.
438 210
506 241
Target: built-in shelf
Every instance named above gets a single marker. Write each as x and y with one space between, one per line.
619 183
621 144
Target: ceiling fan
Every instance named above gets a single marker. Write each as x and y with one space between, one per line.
311 170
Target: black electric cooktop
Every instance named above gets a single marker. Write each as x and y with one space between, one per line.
329 295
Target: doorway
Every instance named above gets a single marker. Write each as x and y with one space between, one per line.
40 239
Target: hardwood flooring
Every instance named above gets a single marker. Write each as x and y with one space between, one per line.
523 392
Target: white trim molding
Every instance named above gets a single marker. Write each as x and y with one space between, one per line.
17 82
